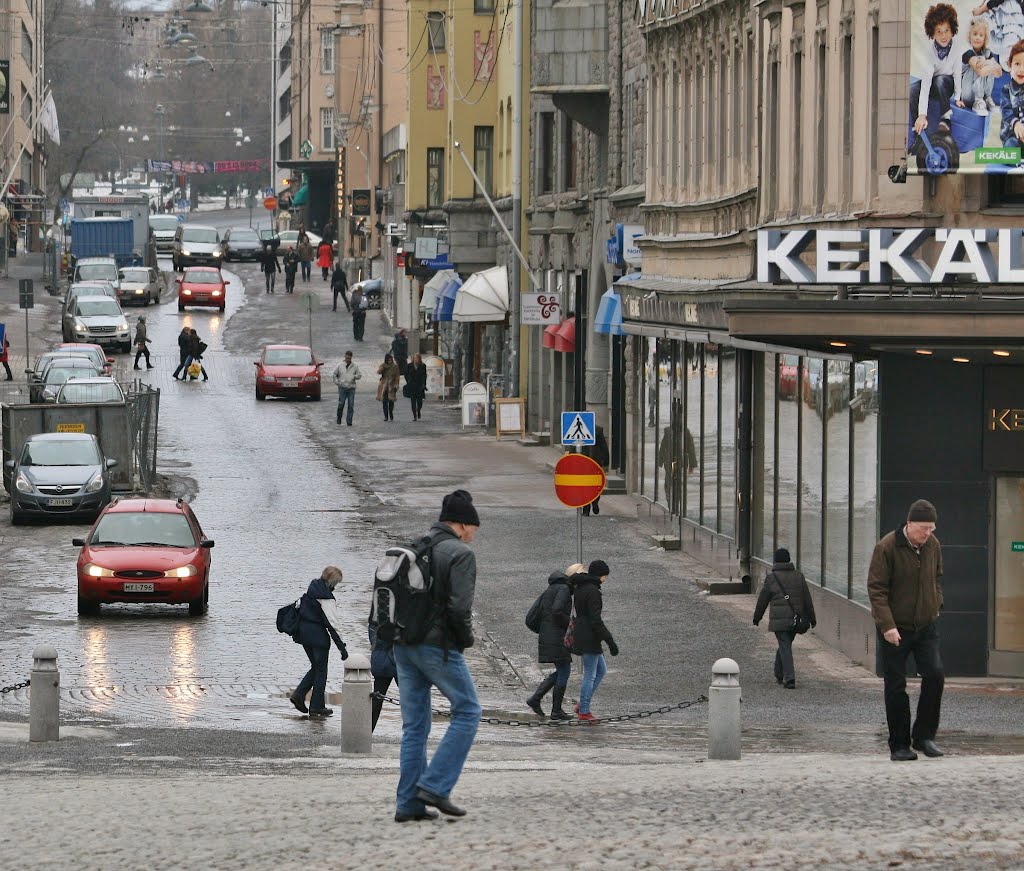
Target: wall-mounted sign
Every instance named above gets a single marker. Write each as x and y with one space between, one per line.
5 87
360 202
890 256
340 185
626 235
426 247
539 308
1003 435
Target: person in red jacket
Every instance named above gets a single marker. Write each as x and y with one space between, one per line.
324 256
3 358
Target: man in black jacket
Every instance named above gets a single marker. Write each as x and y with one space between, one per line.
269 266
438 661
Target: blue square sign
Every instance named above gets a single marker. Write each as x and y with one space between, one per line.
579 428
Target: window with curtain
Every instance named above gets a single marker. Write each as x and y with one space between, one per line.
483 158
435 32
327 129
435 177
327 51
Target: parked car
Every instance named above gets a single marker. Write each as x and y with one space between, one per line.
787 376
61 370
96 269
93 352
59 476
371 290
202 285
98 320
145 550
291 237
241 243
43 361
140 284
164 227
99 389
196 244
287 370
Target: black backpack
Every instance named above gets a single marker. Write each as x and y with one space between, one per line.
288 619
404 598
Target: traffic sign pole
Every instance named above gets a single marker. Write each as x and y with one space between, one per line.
579 535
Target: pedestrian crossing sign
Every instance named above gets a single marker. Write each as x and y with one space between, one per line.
578 428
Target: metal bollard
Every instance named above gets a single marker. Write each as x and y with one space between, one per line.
724 711
356 710
44 696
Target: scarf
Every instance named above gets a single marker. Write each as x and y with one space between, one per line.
943 53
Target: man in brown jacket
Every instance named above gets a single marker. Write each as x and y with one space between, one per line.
905 589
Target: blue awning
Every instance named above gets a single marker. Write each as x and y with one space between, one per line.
301 195
445 304
609 314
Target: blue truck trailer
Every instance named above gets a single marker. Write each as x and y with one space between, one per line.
103 237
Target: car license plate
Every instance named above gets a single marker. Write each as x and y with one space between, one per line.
58 503
138 588
201 297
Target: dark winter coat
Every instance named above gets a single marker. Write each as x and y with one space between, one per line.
196 347
781 581
590 628
305 250
291 263
314 629
555 607
268 261
400 350
184 344
598 451
904 585
339 280
416 378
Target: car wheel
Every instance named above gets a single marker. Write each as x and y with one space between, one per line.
87 608
198 607
259 395
16 518
316 396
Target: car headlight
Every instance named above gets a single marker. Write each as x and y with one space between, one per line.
189 571
123 325
216 293
139 291
95 483
217 253
22 483
95 571
186 292
185 253
80 327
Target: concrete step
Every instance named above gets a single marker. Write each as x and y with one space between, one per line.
668 541
616 485
724 586
529 442
542 438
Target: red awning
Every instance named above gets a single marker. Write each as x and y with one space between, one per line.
548 339
565 337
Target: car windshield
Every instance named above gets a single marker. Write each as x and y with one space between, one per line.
60 374
100 288
93 355
98 307
244 236
202 278
96 270
142 528
136 276
197 235
76 392
288 357
47 359
72 452
163 222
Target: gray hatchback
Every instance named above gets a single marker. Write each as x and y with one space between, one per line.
59 476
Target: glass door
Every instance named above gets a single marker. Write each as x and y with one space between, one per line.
1007 655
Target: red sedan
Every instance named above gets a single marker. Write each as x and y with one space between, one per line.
202 285
145 550
287 370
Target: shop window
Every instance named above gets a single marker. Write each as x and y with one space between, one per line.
435 32
435 177
864 474
767 373
792 391
708 446
693 427
836 474
811 441
546 158
483 159
727 441
667 440
649 399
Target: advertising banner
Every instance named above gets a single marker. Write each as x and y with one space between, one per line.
204 166
965 96
5 87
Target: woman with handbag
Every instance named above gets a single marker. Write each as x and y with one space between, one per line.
785 589
415 385
555 608
586 631
387 387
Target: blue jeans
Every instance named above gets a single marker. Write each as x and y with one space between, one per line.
316 677
562 672
594 670
346 395
420 667
974 87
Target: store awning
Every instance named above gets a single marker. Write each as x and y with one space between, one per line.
446 299
483 298
609 314
565 338
433 287
550 336
301 195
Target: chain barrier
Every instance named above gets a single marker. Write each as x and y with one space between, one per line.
13 687
572 721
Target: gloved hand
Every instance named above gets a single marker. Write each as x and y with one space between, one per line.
613 648
344 652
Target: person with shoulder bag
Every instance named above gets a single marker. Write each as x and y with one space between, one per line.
792 612
319 624
587 631
553 609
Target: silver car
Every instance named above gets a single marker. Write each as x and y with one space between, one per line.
196 245
140 284
85 390
99 320
164 227
61 370
59 476
82 288
96 269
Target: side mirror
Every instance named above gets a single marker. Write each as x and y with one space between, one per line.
206 542
255 362
63 300
78 542
110 360
111 463
179 280
9 464
30 371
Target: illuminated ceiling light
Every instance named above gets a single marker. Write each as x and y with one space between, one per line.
121 128
1001 353
238 145
833 344
923 352
131 139
145 137
961 360
246 139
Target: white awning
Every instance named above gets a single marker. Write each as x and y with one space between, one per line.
433 287
484 297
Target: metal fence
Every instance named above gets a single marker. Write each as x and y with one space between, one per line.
143 418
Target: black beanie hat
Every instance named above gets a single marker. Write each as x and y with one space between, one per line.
599 569
922 511
458 507
782 556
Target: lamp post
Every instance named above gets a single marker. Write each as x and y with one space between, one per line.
161 113
369 188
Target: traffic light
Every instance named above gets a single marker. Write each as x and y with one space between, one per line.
378 200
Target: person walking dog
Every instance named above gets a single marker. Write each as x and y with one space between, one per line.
555 609
905 591
319 624
590 631
437 661
781 582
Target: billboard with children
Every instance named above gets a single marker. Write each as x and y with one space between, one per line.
966 89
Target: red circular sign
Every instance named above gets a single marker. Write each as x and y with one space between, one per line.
579 480
270 203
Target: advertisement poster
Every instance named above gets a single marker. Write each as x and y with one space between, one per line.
435 376
5 87
966 89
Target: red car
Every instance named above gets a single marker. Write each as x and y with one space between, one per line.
202 285
287 370
145 550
